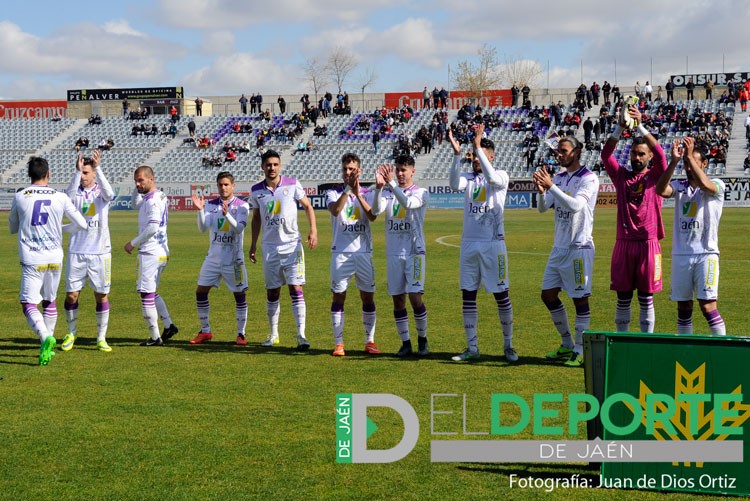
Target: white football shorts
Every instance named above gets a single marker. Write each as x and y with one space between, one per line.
570 270
97 268
344 265
39 282
280 269
484 263
406 274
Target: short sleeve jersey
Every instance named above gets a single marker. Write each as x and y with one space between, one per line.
225 242
278 213
351 228
696 218
37 213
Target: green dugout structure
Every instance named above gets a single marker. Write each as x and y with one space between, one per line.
686 391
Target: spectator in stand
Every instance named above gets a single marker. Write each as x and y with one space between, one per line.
732 89
82 143
243 104
125 107
595 93
588 128
648 90
638 90
616 93
376 139
514 91
327 104
253 103
743 99
426 95
198 106
747 128
191 128
669 86
173 114
443 98
659 95
525 91
230 156
282 104
690 86
435 97
606 89
259 102
709 86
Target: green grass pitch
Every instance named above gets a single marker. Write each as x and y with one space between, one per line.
217 421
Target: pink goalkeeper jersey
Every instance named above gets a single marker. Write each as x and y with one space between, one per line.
638 205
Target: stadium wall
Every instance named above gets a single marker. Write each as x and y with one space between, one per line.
521 194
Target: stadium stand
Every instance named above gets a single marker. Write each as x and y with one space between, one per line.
519 134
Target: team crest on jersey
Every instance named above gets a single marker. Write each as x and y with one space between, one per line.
88 209
479 194
352 213
637 188
273 207
222 224
398 211
689 209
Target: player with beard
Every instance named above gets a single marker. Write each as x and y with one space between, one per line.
636 257
695 237
153 253
572 192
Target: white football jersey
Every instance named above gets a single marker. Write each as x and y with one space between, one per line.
154 208
351 228
93 203
278 213
484 200
36 214
573 229
696 218
225 241
404 220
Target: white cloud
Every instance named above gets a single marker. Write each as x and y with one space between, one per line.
218 42
413 40
87 52
350 36
242 73
229 14
121 27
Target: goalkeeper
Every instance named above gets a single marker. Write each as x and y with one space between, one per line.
636 258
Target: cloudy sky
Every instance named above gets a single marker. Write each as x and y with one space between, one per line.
225 47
